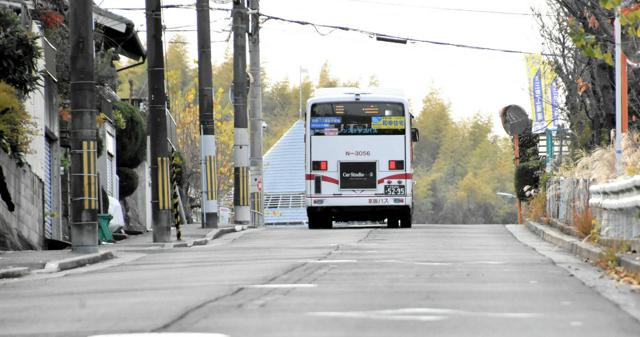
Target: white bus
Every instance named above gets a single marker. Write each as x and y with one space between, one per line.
359 151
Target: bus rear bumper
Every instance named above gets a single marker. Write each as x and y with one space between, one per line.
358 213
376 201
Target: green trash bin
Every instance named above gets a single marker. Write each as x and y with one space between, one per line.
104 234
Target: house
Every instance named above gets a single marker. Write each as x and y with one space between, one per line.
50 148
284 183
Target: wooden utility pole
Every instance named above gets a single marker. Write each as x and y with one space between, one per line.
208 165
240 128
255 116
157 124
84 133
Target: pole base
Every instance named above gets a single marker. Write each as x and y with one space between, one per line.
84 236
162 227
210 220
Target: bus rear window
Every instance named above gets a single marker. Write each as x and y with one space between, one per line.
356 118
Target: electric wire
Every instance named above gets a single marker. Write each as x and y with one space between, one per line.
437 8
333 28
395 37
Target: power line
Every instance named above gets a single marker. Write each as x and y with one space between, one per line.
450 9
166 7
395 38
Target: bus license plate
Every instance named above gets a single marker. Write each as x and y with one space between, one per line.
394 189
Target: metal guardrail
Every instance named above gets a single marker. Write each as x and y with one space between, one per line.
616 195
616 205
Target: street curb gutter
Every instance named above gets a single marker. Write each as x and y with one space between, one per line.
584 250
84 260
13 272
78 261
212 235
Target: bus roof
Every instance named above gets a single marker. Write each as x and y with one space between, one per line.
348 93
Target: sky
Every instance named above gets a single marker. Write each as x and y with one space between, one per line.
472 81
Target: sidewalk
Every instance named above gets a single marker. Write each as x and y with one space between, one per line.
557 234
20 263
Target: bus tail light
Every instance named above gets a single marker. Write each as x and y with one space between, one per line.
319 165
396 164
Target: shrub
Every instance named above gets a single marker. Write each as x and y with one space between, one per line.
527 174
128 181
131 145
16 127
19 54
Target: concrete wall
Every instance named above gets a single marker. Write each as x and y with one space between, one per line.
24 227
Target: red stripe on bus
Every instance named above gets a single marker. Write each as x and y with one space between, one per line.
396 176
324 178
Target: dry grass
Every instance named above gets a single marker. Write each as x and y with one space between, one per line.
537 207
600 165
610 262
583 221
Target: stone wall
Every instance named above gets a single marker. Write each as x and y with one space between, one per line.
22 228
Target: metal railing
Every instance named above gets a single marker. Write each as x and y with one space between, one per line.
616 205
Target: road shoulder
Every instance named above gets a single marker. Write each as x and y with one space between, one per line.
619 293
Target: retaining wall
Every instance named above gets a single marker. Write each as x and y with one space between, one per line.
22 227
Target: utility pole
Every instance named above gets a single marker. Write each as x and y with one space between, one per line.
157 123
240 130
84 133
208 167
255 116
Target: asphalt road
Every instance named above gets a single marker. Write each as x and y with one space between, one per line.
434 280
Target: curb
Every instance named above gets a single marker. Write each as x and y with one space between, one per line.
84 260
584 250
13 272
212 235
75 262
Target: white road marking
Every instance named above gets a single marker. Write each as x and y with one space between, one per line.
486 262
575 323
565 303
330 261
356 251
164 334
421 314
416 263
281 285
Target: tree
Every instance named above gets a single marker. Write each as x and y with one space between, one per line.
459 168
578 40
224 139
16 126
433 122
19 54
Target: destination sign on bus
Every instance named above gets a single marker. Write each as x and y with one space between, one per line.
395 122
357 119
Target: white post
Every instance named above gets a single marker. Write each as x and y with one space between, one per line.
618 57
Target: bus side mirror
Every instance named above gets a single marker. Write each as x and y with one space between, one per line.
415 135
